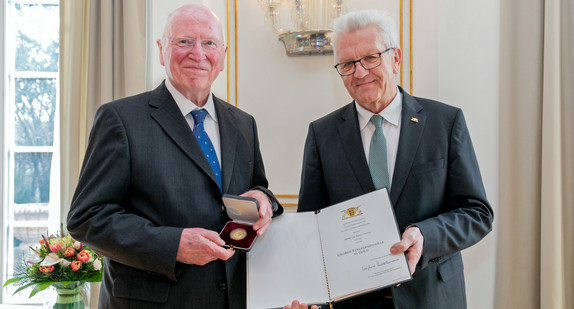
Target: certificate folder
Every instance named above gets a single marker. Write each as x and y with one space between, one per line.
336 253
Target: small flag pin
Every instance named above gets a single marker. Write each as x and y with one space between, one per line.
415 120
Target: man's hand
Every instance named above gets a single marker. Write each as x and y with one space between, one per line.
265 210
296 305
199 247
412 243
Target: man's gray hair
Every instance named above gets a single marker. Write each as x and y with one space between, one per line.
359 19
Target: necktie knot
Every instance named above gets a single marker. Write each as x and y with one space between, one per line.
198 115
377 120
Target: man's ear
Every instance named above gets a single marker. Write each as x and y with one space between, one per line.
160 52
397 58
223 60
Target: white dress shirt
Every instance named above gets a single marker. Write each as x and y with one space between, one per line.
391 129
210 123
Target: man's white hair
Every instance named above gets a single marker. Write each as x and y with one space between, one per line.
359 19
171 17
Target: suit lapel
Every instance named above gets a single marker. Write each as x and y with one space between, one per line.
169 117
411 133
349 132
228 136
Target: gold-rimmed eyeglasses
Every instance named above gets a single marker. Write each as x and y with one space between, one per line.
368 62
206 44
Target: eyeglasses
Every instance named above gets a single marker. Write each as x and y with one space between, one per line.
206 44
368 62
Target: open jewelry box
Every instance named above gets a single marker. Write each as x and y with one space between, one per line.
243 212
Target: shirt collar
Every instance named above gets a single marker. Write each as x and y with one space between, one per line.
186 106
391 113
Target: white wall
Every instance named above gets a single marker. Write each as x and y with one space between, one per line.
461 68
455 60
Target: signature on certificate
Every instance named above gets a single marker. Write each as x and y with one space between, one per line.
378 264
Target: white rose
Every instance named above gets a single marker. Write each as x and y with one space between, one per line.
97 264
77 245
65 262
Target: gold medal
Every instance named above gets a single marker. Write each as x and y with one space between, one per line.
238 234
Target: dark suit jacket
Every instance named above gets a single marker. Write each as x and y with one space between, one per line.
436 186
144 179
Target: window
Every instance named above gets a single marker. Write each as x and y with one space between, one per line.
29 132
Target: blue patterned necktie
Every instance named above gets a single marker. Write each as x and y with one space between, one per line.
205 143
378 165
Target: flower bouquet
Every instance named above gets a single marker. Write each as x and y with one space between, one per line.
60 262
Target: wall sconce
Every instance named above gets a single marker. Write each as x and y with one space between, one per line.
312 21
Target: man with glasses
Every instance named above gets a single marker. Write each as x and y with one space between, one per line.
150 192
418 149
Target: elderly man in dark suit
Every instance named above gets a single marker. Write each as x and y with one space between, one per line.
419 149
149 196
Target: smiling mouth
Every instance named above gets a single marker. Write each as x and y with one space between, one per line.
195 68
364 83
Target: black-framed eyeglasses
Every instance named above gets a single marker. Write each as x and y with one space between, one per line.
368 62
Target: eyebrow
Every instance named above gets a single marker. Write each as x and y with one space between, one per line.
355 59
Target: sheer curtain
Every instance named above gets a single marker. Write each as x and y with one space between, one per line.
102 58
536 220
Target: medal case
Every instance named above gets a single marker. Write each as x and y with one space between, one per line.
243 212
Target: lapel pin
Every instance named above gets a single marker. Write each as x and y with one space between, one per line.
415 120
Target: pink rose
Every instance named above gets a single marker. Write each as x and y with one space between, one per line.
75 265
56 247
47 269
69 252
83 256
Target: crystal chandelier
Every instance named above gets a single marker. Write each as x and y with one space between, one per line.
311 24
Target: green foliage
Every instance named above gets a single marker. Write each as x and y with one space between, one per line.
58 260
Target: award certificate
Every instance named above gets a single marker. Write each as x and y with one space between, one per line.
318 258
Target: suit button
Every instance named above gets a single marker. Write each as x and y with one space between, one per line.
222 286
434 260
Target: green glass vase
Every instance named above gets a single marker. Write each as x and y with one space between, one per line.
70 296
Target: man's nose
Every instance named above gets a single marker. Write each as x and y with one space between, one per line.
197 52
360 71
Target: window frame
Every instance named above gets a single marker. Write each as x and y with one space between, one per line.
9 149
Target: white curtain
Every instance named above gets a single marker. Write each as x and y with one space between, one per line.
535 256
102 58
